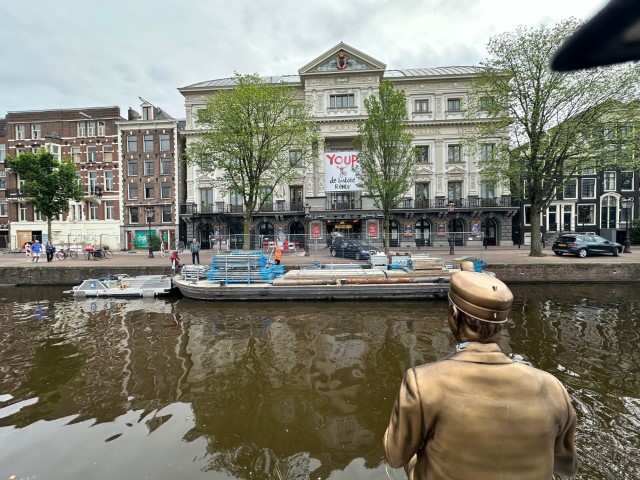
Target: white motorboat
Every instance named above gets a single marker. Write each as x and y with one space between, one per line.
123 286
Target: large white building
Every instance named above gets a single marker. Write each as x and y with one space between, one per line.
336 84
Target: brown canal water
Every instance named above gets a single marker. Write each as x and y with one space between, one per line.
155 389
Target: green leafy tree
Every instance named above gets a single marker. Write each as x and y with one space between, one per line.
259 136
386 158
556 124
49 184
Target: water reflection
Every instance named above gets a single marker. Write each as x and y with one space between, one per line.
150 388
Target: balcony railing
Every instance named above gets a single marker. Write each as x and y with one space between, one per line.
469 202
14 193
354 204
94 191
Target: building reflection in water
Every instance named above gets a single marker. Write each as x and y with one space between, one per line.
279 390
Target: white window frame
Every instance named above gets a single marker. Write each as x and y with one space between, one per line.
137 190
108 181
146 187
165 186
82 129
165 162
165 142
107 153
132 139
36 131
582 186
91 129
93 210
4 209
147 143
20 131
164 211
3 153
131 162
137 220
22 211
574 181
607 177
3 180
101 129
592 207
633 178
148 167
110 210
92 153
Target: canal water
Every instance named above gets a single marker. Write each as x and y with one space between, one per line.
155 389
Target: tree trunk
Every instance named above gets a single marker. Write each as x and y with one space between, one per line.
387 232
536 240
246 231
49 239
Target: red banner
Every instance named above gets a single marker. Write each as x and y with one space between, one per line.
372 229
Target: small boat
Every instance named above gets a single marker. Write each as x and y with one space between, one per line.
123 285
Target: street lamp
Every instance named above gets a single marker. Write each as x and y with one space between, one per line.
307 210
451 207
627 203
149 211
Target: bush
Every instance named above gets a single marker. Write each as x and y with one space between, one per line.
634 231
155 243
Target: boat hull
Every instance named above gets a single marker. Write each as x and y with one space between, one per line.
206 290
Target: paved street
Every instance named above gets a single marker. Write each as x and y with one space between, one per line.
493 255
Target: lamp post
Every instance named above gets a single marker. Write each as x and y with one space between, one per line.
451 207
627 203
149 211
307 210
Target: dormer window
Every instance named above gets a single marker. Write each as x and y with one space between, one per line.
147 113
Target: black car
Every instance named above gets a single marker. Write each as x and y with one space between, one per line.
583 245
352 249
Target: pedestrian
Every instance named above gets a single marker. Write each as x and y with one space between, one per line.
278 255
478 413
36 248
50 250
175 261
194 246
218 239
27 250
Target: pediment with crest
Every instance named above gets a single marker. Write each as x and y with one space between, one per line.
342 59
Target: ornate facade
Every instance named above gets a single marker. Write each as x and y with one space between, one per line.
447 200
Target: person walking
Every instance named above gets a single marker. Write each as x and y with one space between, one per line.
27 251
36 248
194 246
50 250
478 413
278 255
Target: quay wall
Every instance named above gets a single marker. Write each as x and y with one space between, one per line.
509 273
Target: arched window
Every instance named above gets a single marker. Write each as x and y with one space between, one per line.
609 211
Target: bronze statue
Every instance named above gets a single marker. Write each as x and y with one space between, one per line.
478 414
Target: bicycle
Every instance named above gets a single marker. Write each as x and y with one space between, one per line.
66 252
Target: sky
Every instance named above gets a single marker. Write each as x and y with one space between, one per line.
91 53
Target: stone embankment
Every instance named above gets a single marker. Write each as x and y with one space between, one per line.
510 264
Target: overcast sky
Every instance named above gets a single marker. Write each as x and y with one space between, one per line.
89 53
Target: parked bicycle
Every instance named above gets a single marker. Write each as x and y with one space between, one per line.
99 254
65 253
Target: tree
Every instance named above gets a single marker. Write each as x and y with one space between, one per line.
386 158
557 123
259 135
49 184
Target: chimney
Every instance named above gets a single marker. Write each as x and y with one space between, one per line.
132 114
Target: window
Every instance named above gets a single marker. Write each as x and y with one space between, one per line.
165 190
486 103
455 191
93 183
3 153
148 190
206 199
165 144
22 212
422 106
20 132
54 149
608 211
294 158
588 188
422 153
166 214
133 191
109 210
147 113
91 129
132 167
101 129
487 190
76 154
453 105
107 153
91 154
571 189
587 214
165 166
341 101
132 143
422 195
82 129
486 152
93 211
148 143
133 214
609 181
588 170
108 181
37 216
3 208
453 153
3 180
626 180
148 166
36 131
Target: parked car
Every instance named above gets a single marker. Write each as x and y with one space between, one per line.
583 245
341 247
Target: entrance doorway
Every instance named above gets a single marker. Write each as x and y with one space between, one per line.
206 232
490 232
423 233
